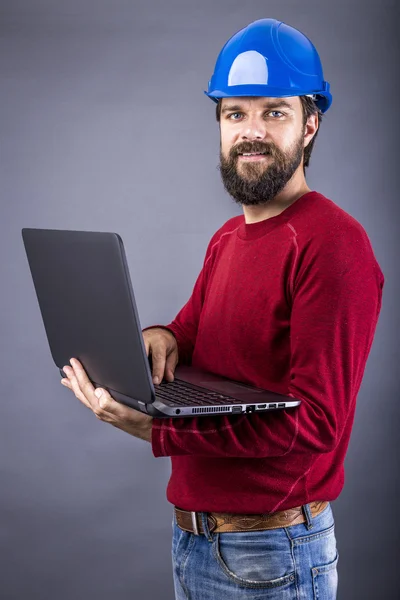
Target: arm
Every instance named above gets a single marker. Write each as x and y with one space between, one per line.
336 300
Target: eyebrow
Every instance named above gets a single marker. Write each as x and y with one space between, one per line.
270 105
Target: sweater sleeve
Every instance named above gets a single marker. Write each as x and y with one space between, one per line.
336 287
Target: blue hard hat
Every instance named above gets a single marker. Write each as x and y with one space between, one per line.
272 59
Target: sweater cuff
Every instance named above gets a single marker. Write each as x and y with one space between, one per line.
157 438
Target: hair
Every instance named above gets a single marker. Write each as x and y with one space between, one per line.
309 108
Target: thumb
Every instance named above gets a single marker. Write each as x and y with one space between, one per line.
105 400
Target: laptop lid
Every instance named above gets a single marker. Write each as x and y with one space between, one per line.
79 277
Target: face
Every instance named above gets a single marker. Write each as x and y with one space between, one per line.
262 144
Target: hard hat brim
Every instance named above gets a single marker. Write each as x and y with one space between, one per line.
322 99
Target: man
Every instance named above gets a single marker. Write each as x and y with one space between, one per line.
288 300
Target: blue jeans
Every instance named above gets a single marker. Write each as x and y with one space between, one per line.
290 563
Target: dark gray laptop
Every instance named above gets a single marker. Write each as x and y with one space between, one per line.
89 312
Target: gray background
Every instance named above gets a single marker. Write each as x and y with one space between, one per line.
104 126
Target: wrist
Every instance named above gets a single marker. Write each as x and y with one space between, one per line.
143 431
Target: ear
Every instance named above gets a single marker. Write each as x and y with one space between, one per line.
310 129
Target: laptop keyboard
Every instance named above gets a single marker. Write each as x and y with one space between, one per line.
181 393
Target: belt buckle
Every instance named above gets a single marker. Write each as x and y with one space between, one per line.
193 514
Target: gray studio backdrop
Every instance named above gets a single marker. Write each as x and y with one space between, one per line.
104 126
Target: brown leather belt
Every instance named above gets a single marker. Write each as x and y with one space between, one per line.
223 522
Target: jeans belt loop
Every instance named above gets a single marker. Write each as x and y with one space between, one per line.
194 523
308 516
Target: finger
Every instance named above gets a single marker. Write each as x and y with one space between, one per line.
74 386
158 357
170 365
66 383
84 383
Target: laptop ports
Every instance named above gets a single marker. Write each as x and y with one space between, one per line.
250 408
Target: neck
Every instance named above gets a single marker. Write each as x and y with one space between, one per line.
294 189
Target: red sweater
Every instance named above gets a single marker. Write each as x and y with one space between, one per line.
289 304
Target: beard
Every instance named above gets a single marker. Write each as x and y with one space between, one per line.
257 183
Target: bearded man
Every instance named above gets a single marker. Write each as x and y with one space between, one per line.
287 300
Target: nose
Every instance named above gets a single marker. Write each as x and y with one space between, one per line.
253 129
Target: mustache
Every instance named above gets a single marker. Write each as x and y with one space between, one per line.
245 147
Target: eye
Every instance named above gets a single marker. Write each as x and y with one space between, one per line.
232 114
275 112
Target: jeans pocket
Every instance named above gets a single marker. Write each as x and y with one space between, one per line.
178 535
256 559
325 580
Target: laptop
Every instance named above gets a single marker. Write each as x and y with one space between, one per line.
89 312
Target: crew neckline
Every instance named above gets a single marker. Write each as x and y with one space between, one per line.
252 231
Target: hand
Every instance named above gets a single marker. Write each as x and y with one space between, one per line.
163 347
104 406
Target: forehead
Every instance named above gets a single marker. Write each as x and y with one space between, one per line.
257 102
